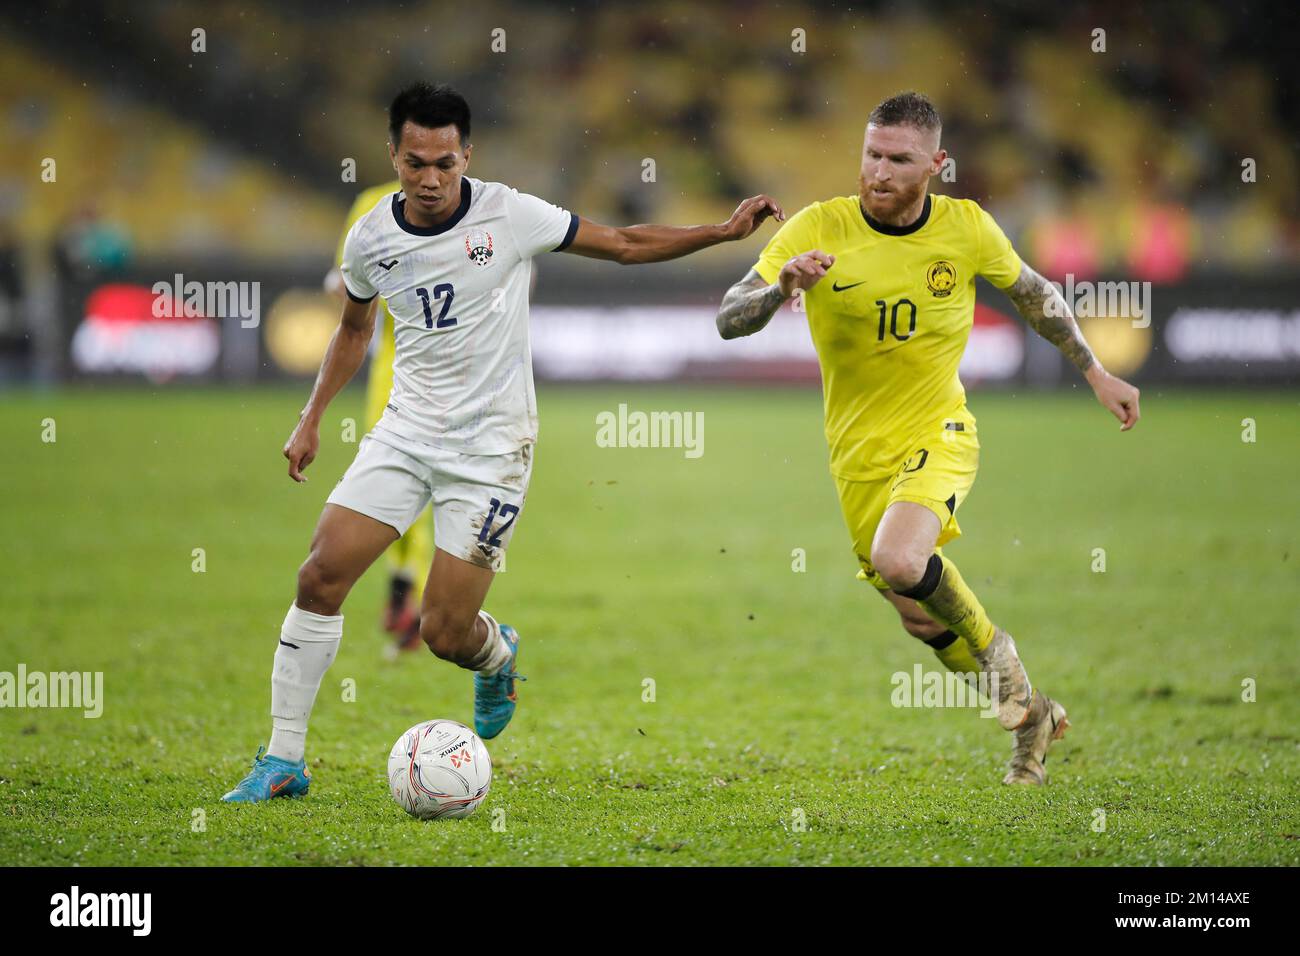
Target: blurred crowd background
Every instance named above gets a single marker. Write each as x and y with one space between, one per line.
1127 162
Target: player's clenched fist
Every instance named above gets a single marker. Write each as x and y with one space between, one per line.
1115 394
804 271
301 449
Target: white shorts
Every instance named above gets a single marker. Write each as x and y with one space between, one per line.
476 498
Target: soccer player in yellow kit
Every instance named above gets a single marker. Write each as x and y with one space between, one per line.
410 555
888 281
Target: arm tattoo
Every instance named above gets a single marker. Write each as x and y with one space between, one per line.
1046 312
748 306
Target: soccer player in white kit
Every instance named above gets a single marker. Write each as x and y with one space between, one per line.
451 256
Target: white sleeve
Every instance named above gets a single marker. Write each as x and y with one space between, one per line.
353 269
538 225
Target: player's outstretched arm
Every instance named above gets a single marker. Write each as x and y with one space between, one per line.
1045 310
632 245
346 352
750 304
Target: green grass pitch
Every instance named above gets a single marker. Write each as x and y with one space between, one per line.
772 686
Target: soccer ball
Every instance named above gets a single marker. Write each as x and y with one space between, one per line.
439 769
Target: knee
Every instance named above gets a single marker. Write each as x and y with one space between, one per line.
445 636
899 569
321 588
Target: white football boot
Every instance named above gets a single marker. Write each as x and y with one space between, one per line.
1044 723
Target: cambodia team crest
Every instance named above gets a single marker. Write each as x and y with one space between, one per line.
478 246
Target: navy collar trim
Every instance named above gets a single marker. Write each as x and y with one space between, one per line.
399 201
907 230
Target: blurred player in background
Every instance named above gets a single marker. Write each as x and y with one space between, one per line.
452 257
890 328
411 554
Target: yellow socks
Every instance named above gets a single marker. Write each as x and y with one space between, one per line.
947 599
412 554
953 653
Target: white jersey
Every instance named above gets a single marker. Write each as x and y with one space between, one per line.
458 292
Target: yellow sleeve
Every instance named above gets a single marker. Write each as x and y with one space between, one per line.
998 261
364 203
797 235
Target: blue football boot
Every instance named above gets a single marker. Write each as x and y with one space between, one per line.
271 777
494 697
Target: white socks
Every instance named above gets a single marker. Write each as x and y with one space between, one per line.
494 654
308 644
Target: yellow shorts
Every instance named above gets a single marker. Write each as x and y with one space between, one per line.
937 473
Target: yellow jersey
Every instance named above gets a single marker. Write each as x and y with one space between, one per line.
379 382
891 318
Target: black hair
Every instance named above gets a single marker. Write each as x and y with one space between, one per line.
429 106
907 109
